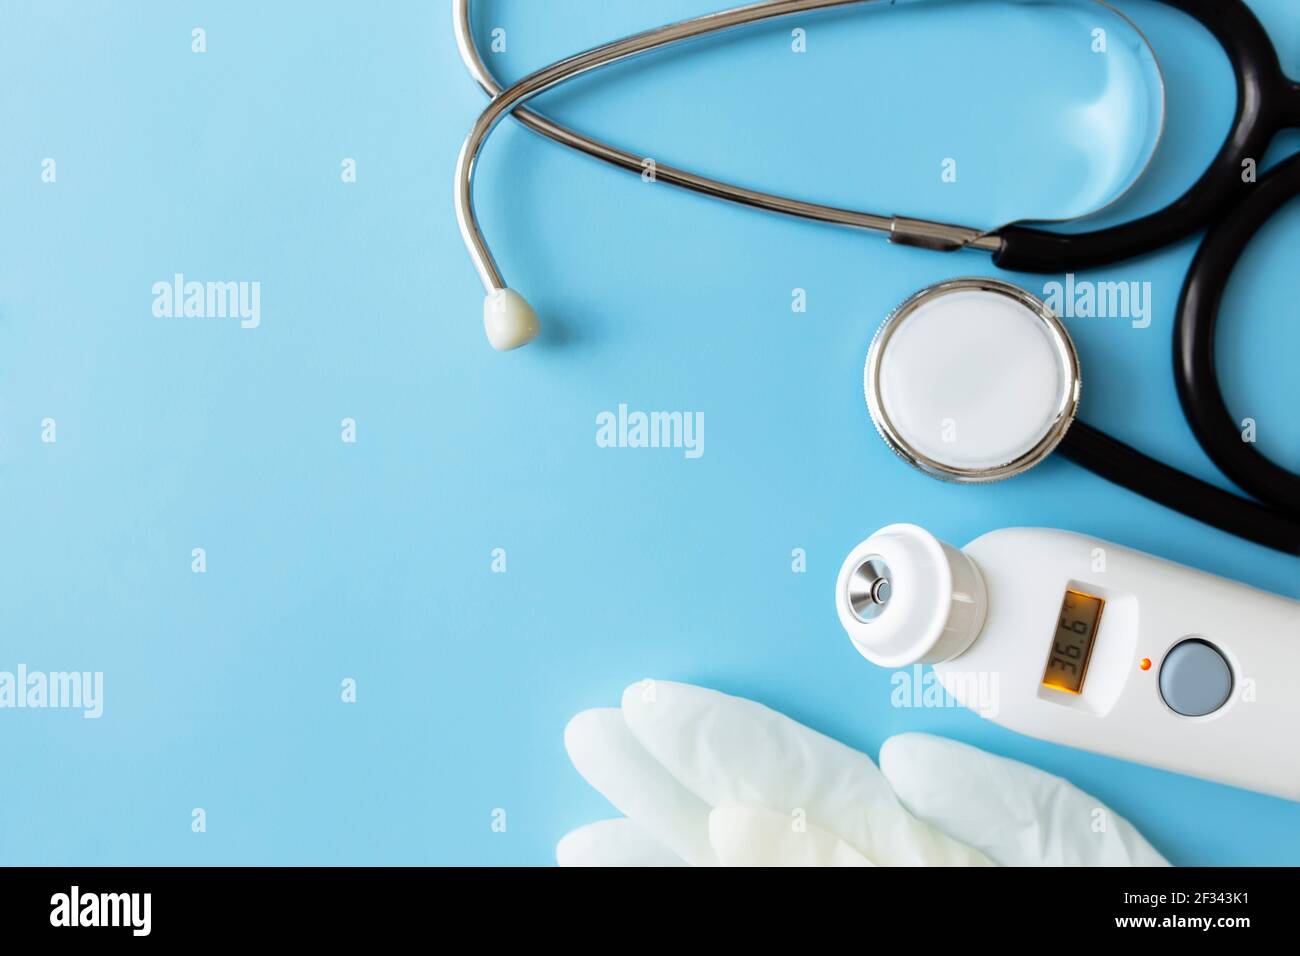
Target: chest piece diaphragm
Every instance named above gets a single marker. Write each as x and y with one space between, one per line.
972 380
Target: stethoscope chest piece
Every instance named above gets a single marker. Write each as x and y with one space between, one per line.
972 380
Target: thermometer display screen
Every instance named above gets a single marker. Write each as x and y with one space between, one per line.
1076 630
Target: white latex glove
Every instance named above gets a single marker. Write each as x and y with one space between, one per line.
704 779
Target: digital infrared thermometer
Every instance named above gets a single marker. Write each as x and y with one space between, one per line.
1081 642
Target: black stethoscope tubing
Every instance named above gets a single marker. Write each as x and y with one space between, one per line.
1235 209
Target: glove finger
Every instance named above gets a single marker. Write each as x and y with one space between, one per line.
618 842
753 836
610 759
1017 814
727 750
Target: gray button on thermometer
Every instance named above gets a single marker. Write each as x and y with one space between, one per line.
1195 680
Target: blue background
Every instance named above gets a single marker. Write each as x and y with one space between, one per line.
372 560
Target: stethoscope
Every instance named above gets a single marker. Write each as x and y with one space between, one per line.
1234 210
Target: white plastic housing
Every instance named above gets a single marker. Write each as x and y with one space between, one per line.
1151 606
936 602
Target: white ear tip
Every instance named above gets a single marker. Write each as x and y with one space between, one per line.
509 320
